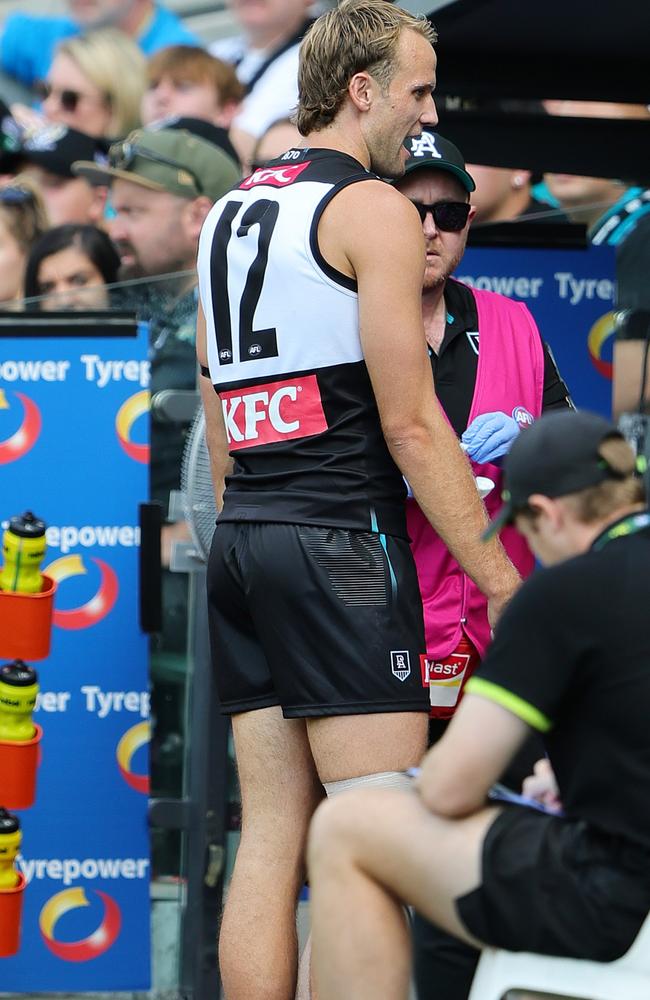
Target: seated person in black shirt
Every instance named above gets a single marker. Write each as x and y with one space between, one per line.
571 660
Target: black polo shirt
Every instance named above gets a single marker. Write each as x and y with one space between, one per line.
571 657
455 366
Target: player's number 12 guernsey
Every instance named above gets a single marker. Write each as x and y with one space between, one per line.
285 356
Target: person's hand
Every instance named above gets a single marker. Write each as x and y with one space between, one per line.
489 436
542 786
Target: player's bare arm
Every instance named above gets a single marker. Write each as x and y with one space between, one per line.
371 232
480 742
215 431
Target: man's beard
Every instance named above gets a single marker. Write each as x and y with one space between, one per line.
434 279
128 272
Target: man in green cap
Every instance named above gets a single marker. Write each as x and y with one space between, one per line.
163 182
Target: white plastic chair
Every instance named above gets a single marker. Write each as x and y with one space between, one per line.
628 978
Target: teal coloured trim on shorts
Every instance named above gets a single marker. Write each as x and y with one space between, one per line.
512 702
382 538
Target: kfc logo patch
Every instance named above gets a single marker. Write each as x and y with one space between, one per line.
275 411
275 176
400 663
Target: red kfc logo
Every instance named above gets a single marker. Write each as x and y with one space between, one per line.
275 176
276 411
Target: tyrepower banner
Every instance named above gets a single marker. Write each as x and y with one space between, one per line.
74 450
571 296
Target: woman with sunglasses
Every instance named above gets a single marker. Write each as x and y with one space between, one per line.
95 85
22 220
69 268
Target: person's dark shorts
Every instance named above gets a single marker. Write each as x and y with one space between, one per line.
557 887
322 621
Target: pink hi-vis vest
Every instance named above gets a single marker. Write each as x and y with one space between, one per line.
510 378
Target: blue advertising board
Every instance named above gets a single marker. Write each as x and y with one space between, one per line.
571 296
74 449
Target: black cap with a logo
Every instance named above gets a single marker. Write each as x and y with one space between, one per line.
54 147
432 151
559 454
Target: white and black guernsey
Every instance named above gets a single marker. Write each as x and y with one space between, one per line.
285 356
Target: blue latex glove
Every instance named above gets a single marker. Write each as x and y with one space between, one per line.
489 436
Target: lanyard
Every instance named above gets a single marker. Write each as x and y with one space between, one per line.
627 526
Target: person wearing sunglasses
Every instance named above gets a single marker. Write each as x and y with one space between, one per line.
94 85
493 376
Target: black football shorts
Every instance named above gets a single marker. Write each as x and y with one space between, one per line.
555 886
322 621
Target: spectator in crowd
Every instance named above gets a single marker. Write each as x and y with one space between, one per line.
29 41
95 84
265 56
186 81
69 268
48 154
205 130
503 194
616 211
163 183
278 138
23 219
576 884
493 376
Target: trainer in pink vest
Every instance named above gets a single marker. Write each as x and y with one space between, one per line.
510 378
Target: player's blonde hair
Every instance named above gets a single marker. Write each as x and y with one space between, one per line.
355 36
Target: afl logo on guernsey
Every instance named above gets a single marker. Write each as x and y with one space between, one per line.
275 176
276 411
522 416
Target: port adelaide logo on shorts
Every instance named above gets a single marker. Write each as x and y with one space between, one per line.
400 663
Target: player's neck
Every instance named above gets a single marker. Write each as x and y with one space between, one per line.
434 315
341 137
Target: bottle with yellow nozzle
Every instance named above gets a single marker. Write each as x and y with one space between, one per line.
23 551
10 837
18 691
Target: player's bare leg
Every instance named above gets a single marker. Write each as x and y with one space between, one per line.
280 790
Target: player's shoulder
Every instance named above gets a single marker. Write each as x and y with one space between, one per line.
376 203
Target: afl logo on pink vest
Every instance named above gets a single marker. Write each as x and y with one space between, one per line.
276 411
275 176
523 417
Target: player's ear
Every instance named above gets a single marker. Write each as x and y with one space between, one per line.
360 89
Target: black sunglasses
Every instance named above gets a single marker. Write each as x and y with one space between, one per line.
449 216
122 155
68 99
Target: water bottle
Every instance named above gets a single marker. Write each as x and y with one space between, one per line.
18 690
23 549
10 837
